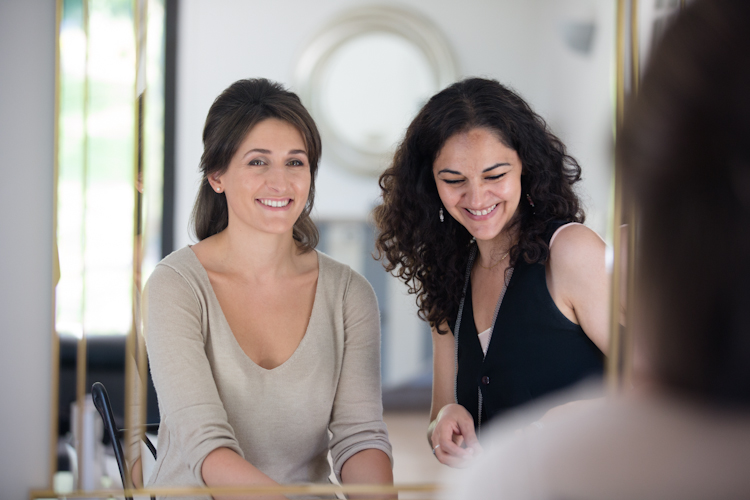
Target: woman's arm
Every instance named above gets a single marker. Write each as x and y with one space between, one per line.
192 410
224 467
579 283
370 466
451 431
359 437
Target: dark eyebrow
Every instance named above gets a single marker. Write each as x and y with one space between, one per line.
495 166
447 171
256 150
268 152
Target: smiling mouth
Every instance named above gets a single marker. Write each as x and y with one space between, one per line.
275 203
481 212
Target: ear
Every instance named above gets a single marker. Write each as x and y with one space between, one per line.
214 179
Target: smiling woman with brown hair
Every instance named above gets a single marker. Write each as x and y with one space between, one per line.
258 344
480 218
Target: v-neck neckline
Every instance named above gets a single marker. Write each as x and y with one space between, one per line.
496 312
237 346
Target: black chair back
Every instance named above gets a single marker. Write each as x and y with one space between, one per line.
102 404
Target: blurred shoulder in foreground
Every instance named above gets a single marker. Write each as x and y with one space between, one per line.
634 447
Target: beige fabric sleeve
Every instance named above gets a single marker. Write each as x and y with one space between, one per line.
175 325
357 414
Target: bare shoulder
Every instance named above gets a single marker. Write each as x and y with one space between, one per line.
578 282
576 247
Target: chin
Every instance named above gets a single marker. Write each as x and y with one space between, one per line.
480 237
485 234
279 229
272 227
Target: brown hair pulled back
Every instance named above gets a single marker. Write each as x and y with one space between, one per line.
430 256
685 150
233 114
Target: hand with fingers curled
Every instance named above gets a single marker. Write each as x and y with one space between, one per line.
454 441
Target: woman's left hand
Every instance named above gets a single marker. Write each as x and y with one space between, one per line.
454 441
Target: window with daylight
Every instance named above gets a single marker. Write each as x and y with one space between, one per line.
110 161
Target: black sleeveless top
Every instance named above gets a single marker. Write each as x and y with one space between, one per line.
534 349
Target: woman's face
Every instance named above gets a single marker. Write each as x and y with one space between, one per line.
478 179
268 179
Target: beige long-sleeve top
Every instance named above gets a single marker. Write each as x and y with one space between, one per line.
212 395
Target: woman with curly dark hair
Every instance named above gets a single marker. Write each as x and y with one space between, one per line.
478 192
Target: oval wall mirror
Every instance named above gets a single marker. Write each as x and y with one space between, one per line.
364 77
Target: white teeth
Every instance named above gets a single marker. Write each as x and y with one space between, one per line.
275 203
482 212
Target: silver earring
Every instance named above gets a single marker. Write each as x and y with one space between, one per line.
531 203
440 214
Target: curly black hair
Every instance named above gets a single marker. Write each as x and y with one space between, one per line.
430 256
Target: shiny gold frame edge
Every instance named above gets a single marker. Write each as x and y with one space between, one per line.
613 358
635 74
292 489
55 340
135 356
619 360
81 350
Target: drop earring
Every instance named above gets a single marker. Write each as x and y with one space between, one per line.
531 202
440 214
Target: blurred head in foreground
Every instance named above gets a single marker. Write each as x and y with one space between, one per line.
685 147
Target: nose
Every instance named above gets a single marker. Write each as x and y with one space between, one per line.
475 195
276 179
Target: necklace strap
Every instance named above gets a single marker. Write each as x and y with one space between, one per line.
496 263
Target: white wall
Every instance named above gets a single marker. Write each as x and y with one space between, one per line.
404 337
27 84
580 92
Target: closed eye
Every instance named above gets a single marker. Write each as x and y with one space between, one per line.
495 177
452 181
